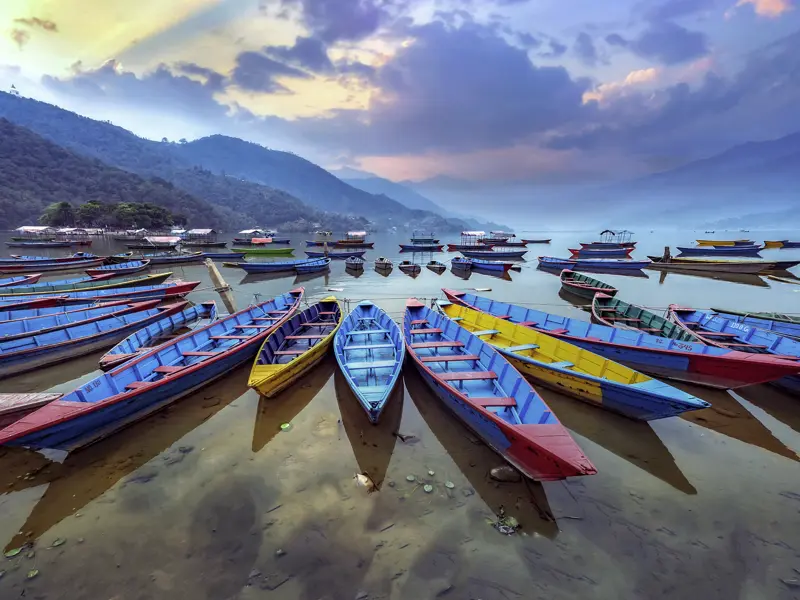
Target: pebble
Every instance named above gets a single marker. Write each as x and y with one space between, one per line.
792 583
362 596
445 590
505 474
279 552
185 449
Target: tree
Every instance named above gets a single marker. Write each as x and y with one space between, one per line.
58 214
89 214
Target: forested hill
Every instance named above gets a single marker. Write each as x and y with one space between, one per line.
35 172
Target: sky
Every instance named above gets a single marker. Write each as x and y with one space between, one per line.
541 91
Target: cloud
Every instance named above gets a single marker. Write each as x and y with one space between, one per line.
665 42
213 80
557 49
20 37
335 20
765 8
37 23
584 48
256 72
307 53
607 91
674 9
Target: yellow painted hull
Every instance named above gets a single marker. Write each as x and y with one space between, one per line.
773 244
718 242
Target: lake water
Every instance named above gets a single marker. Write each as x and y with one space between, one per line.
209 499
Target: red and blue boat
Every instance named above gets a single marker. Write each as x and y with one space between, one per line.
339 254
151 381
601 252
482 388
494 254
164 291
20 280
720 250
491 265
421 247
16 259
599 264
669 358
116 269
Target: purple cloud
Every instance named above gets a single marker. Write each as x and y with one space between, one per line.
334 20
585 50
307 53
256 72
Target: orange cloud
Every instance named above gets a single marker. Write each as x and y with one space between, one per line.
768 8
607 90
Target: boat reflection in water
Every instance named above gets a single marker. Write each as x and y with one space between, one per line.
372 444
90 472
638 273
283 408
504 275
743 278
779 405
525 500
302 277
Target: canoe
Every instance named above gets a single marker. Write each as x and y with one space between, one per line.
295 347
37 351
38 238
336 255
424 240
718 331
38 244
613 312
461 247
353 244
410 268
583 285
232 256
723 242
788 325
39 310
657 356
120 268
164 291
15 406
17 259
103 282
784 279
265 251
354 262
791 245
436 266
600 264
370 351
20 280
40 267
482 388
383 263
461 263
721 266
151 381
547 241
421 247
570 370
720 251
275 267
202 244
607 245
774 243
143 340
146 246
601 252
14 329
173 259
494 254
79 242
314 266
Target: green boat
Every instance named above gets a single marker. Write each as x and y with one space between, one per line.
616 313
83 284
266 251
770 316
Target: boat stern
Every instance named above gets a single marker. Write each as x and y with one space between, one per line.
547 452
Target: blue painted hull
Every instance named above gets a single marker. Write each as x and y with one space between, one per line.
231 256
491 255
420 248
141 292
720 251
334 255
315 266
549 262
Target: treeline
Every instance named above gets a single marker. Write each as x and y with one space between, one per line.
124 215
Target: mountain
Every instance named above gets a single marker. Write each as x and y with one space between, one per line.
345 173
396 191
35 172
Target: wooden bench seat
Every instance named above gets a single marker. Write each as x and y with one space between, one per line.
420 345
367 332
451 358
253 326
491 402
529 323
467 376
230 337
135 385
430 330
291 352
522 347
305 337
368 347
166 369
419 322
198 353
485 332
375 364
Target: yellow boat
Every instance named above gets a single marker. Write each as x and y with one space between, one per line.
295 347
571 370
774 244
721 242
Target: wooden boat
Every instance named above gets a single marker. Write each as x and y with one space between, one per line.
295 347
545 241
720 251
106 281
354 262
146 246
148 337
496 237
382 263
601 252
79 242
774 243
164 258
494 254
38 244
336 255
461 263
275 267
410 268
723 266
723 242
40 267
20 280
120 268
476 247
420 237
37 351
421 247
45 307
783 265
787 325
17 259
482 388
370 351
436 266
790 280
314 266
718 331
153 380
17 328
357 239
519 244
600 264
583 285
570 370
607 245
203 244
165 291
265 251
616 313
15 406
661 357
34 238
229 256
791 245
491 265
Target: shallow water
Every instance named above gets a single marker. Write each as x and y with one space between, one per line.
209 499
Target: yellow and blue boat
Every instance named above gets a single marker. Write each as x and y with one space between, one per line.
295 347
574 371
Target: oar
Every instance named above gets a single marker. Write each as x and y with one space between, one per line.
221 286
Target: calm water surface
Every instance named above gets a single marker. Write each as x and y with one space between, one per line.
211 500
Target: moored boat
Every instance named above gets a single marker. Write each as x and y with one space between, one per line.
461 263
720 250
39 244
613 312
354 262
436 266
144 339
126 268
167 258
661 357
421 237
20 280
45 267
678 264
383 264
17 259
165 291
571 370
276 266
723 242
482 388
203 244
583 285
230 256
151 381
421 247
600 264
601 252
265 251
339 255
542 241
410 268
106 281
354 239
782 324
314 266
494 254
491 265
370 350
296 346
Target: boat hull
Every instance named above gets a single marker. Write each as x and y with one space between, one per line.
494 255
420 248
37 267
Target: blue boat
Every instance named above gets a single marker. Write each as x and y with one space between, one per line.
52 309
491 265
142 340
153 380
789 328
370 351
35 326
17 259
229 256
21 283
280 240
600 264
8 282
277 266
461 263
659 356
721 332
601 252
145 292
421 247
167 258
36 351
124 268
314 266
339 254
494 254
482 388
720 250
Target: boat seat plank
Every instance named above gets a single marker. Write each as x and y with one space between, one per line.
456 358
529 323
265 319
198 353
372 389
368 347
720 334
486 332
628 319
304 337
558 331
377 364
522 347
291 352
367 332
166 369
326 312
229 337
467 375
430 330
419 322
564 364
419 345
492 402
135 385
253 326
504 316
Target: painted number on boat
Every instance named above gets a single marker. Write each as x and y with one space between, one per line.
739 326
